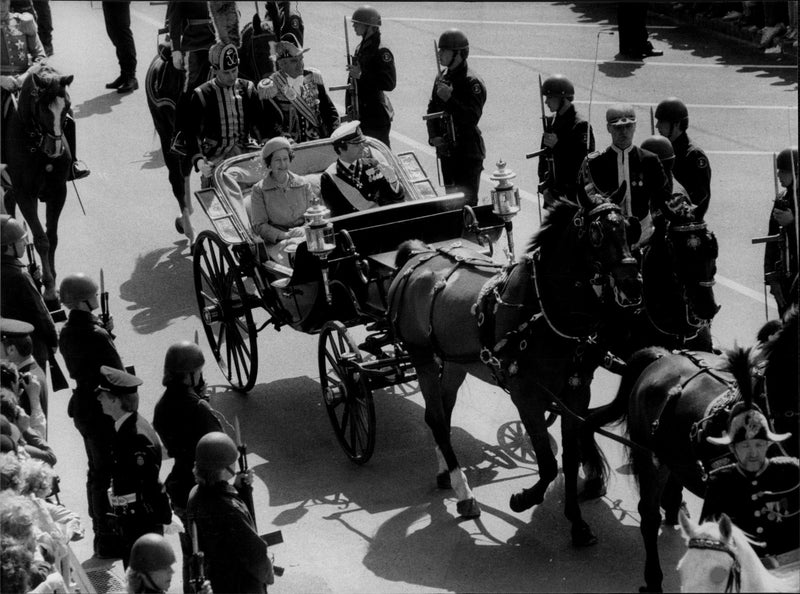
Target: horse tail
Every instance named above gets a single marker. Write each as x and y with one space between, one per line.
406 250
738 363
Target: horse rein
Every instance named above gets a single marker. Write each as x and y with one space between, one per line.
36 134
734 583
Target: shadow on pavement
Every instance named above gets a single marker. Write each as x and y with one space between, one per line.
161 287
97 105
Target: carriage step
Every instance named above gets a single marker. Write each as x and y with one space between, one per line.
380 325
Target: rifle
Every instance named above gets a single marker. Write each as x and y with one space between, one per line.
550 177
441 119
652 122
105 315
247 494
352 82
197 576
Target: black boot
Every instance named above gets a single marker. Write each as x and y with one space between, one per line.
130 84
116 83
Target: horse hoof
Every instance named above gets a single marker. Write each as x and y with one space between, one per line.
443 480
594 488
179 225
468 508
519 502
582 536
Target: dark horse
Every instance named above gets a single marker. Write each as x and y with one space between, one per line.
39 161
163 85
524 328
673 401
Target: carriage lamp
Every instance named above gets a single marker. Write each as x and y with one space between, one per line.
505 201
320 240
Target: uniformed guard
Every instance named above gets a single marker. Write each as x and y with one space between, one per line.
679 203
568 138
182 417
691 168
138 500
760 494
16 346
87 346
235 556
150 565
780 257
373 71
647 188
356 182
460 93
296 99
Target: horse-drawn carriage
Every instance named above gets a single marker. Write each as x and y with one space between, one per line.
343 287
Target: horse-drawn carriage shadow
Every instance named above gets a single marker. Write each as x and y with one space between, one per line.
160 289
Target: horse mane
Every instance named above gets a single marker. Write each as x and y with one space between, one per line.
555 221
738 363
54 85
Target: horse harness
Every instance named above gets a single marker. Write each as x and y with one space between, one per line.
734 583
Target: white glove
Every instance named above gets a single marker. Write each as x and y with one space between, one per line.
206 168
177 59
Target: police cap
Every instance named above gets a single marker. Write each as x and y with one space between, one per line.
183 357
558 85
151 552
223 56
11 231
453 39
117 382
215 451
672 109
785 158
659 145
367 15
348 132
620 115
9 327
76 288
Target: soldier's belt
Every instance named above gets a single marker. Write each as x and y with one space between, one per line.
198 21
122 500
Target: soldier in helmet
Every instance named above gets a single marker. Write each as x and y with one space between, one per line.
780 258
236 557
373 74
139 502
569 139
691 168
460 93
679 204
150 565
87 346
647 187
19 298
182 417
758 493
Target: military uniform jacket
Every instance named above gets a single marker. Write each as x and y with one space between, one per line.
346 191
764 505
20 300
181 418
465 106
236 558
303 116
137 461
568 153
378 75
20 44
222 118
649 185
775 253
692 170
86 346
190 26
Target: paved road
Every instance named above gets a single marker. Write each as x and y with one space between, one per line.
384 527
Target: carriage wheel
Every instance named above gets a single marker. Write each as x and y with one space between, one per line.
346 392
224 311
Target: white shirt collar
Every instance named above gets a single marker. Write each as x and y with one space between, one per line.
27 361
118 423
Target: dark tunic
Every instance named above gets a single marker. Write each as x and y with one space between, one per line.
764 505
692 170
378 75
366 179
780 263
568 153
235 556
309 116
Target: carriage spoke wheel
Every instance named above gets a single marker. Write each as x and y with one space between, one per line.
346 393
225 311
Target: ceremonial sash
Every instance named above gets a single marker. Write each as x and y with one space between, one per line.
298 102
350 193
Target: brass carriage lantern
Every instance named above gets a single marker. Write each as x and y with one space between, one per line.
320 239
505 201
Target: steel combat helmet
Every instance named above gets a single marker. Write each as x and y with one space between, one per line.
672 109
151 552
76 288
367 15
453 39
216 451
558 85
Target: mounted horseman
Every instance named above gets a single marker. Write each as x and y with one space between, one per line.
257 54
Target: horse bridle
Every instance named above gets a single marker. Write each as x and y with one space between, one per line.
734 583
35 132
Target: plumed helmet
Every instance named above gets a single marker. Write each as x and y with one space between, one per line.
151 552
183 357
747 422
453 39
367 15
558 85
76 288
11 231
672 109
660 146
215 451
783 162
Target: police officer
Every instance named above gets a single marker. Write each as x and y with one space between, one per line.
16 347
139 502
460 94
568 138
647 187
87 346
355 182
373 74
182 417
117 15
691 168
759 493
780 258
236 557
19 298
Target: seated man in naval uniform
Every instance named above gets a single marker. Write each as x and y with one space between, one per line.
356 182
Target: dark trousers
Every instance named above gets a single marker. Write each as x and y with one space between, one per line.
632 29
118 27
44 22
98 435
198 71
461 174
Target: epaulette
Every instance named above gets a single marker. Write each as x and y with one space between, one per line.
267 88
719 470
316 76
784 461
27 24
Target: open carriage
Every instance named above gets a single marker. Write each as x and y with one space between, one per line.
324 292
